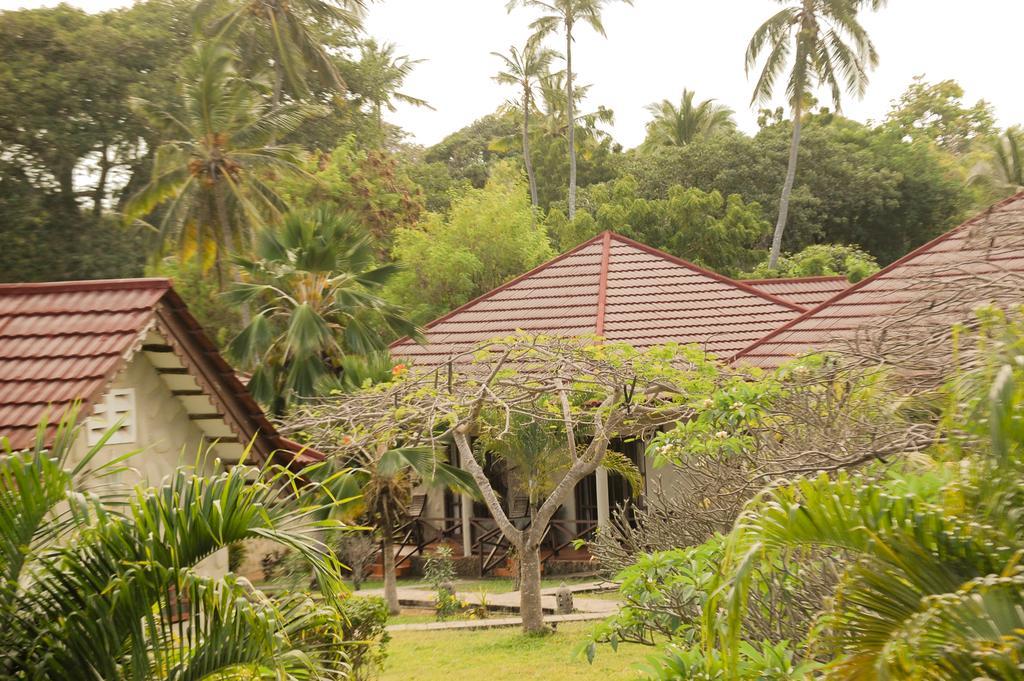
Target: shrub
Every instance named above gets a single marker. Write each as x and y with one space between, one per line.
365 630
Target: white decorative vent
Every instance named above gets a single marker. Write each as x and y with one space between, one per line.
117 408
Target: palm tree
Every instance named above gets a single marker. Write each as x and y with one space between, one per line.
96 584
829 48
563 15
287 30
382 73
932 586
523 68
1004 172
313 282
677 126
383 479
209 173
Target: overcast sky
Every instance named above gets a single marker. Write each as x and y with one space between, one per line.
657 47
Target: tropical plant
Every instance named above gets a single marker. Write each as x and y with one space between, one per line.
523 68
820 260
381 75
932 586
287 36
382 481
677 126
829 48
312 283
563 15
1004 170
99 581
210 173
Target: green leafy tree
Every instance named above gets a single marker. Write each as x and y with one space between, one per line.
722 233
470 153
677 126
829 48
489 237
372 185
287 37
936 113
563 16
855 183
208 174
313 283
820 260
100 584
523 68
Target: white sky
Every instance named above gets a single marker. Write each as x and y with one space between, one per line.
658 47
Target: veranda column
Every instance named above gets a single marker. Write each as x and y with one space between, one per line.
603 515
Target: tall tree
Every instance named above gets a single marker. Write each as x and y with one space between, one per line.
313 282
829 48
677 126
381 74
207 174
523 68
563 15
289 35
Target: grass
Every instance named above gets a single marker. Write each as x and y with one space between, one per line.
506 655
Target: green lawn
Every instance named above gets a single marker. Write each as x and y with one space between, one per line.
506 655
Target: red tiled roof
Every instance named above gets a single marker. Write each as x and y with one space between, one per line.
66 341
807 292
981 260
618 289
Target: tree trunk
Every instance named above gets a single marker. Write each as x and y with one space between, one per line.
390 583
527 161
101 184
787 189
570 107
529 592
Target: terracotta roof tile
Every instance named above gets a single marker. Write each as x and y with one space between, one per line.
614 287
63 342
979 261
806 292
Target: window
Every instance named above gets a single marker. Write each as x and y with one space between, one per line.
117 408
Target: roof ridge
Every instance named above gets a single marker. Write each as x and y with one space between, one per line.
920 250
602 282
85 285
705 272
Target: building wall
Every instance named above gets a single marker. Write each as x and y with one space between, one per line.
165 439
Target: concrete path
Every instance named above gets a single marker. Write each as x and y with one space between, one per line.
505 601
494 622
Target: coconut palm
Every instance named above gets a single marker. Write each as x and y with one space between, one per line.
822 43
290 32
208 176
564 15
313 283
381 75
932 586
92 589
383 480
677 126
523 68
1004 171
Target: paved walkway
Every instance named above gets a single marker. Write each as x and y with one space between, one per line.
494 622
586 609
